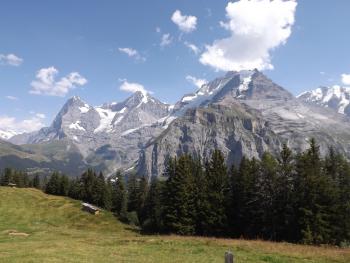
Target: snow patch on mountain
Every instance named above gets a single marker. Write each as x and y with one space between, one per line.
84 109
335 97
76 126
107 117
7 134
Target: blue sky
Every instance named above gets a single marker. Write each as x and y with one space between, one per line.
97 46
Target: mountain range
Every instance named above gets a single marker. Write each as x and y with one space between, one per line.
242 114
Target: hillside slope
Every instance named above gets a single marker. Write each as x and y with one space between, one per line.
35 227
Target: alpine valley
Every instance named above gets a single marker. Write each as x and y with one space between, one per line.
242 114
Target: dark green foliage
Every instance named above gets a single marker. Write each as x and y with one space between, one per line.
152 210
179 210
119 197
301 198
36 183
53 186
133 193
218 188
12 176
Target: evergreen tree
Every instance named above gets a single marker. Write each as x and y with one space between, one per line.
200 197
89 190
76 189
133 193
153 209
7 177
63 185
268 198
311 188
217 182
36 181
285 201
231 205
119 197
142 196
179 209
53 186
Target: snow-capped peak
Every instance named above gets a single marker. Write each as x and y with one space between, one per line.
335 97
7 134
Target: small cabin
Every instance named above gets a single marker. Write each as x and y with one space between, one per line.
11 185
90 208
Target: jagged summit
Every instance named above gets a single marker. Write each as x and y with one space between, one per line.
241 113
335 97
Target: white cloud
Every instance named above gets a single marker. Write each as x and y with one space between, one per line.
45 83
192 47
28 125
345 78
186 24
40 115
10 59
257 27
132 87
132 53
158 30
197 82
166 40
11 97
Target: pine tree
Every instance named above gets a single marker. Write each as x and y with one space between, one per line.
89 192
268 198
36 182
133 193
200 196
217 180
119 197
7 177
63 185
142 196
76 189
53 185
180 203
313 217
285 202
230 200
153 209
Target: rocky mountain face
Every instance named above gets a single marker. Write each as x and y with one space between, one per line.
242 114
108 137
336 98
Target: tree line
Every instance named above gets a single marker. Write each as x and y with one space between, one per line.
300 198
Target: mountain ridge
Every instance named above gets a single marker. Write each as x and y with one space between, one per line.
242 113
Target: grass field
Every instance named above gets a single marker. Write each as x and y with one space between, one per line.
35 227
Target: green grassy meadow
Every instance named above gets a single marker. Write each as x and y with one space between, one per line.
35 227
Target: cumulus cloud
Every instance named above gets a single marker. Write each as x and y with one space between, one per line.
11 97
46 84
166 40
20 126
197 82
256 28
185 23
345 78
10 59
192 47
133 53
132 87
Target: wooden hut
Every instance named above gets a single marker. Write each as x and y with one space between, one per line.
11 185
90 208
